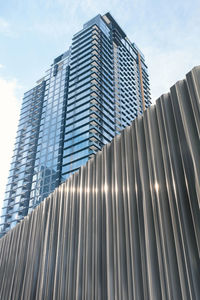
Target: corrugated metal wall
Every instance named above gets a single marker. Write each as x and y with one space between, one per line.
127 225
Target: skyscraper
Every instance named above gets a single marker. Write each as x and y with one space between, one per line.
89 94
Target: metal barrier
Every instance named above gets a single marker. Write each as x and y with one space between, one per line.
127 225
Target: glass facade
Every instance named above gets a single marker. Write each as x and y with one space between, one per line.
46 174
89 94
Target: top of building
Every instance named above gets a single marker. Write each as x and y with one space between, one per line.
110 20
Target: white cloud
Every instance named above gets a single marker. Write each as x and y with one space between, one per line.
4 25
6 28
9 114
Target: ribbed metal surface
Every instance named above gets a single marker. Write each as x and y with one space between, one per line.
127 225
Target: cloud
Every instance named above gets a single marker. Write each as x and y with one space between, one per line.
4 27
9 114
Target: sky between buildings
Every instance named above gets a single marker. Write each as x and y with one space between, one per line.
34 32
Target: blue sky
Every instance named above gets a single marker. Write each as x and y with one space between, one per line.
34 32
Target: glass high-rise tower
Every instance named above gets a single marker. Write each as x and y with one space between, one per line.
89 94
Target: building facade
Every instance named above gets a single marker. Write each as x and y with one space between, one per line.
89 94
